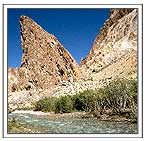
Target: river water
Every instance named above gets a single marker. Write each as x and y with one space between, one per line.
74 125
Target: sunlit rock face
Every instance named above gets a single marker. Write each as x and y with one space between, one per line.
45 62
116 39
12 79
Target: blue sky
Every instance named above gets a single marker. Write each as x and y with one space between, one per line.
76 29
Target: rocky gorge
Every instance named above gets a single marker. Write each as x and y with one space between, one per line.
48 69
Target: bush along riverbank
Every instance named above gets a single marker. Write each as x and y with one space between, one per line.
117 101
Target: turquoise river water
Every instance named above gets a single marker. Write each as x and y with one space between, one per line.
74 125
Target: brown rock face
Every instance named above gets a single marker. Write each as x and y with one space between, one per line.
13 78
117 38
45 62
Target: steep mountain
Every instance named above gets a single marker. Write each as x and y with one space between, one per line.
117 40
45 62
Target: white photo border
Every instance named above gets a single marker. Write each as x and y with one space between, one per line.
140 71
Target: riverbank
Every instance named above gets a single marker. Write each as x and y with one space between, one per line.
115 102
52 115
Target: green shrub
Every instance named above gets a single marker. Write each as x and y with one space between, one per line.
64 105
45 105
85 101
119 97
101 100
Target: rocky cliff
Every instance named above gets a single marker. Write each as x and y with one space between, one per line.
45 62
116 39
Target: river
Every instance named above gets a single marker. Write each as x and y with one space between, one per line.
73 124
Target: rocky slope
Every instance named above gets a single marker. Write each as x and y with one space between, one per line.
48 69
117 38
